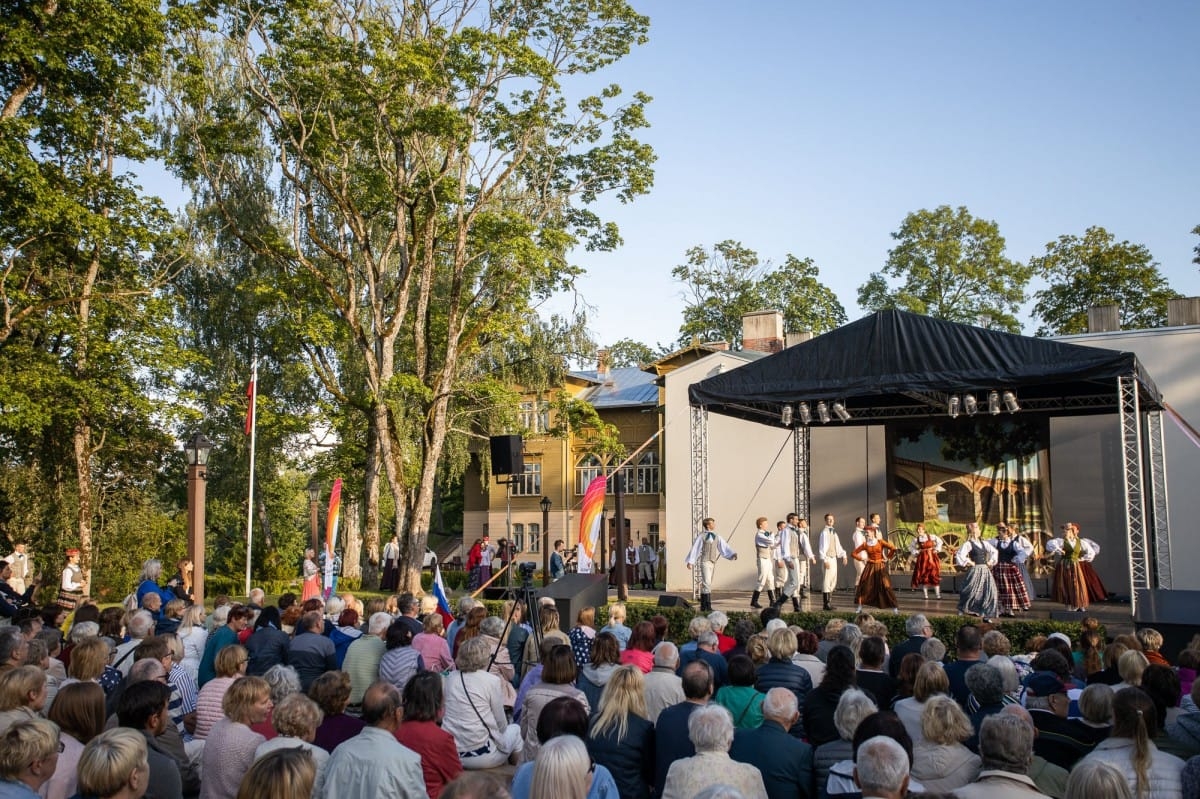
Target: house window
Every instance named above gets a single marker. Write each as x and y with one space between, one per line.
652 534
647 474
587 469
518 533
528 484
535 537
535 416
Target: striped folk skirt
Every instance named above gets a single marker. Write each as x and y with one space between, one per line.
978 595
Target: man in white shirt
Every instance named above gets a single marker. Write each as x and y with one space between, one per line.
22 568
829 547
766 545
374 764
646 560
796 553
707 547
857 539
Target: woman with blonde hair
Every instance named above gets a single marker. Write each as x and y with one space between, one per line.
230 747
931 681
230 665
114 765
548 622
1150 774
431 644
942 763
621 738
78 710
283 774
582 635
22 695
29 755
562 770
1131 665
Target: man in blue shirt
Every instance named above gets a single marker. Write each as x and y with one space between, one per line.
558 567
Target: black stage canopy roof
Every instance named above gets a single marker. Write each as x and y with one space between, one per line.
894 364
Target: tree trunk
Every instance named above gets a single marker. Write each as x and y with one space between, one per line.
82 441
352 560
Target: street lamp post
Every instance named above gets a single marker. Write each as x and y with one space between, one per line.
545 506
196 451
314 509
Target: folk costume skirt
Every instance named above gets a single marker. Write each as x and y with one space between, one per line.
927 573
875 587
978 595
1011 586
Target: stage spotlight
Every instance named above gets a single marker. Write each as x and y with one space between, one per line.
1010 402
839 410
952 407
805 413
785 416
969 404
823 412
994 403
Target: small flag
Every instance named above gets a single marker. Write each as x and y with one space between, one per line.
439 591
251 396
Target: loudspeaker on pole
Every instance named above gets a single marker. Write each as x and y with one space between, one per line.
506 455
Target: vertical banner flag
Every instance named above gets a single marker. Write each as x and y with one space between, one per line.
252 397
589 524
331 523
439 591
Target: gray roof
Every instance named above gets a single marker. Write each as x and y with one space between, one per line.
630 387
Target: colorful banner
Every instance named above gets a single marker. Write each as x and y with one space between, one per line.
331 525
590 516
252 399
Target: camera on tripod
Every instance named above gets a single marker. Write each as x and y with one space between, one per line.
527 568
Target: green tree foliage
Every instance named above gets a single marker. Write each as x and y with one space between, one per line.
724 284
1095 269
433 176
951 266
627 352
1196 249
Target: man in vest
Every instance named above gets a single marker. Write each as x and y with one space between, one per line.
646 559
707 547
766 545
831 549
796 552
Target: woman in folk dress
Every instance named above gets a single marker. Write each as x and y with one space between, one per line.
978 595
927 568
875 587
1070 582
1007 572
312 576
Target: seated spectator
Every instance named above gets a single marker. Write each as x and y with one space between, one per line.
344 633
363 657
423 709
663 687
621 737
172 614
872 677
230 666
558 678
375 765
806 656
267 646
1187 664
331 692
942 763
710 730
1058 741
1152 641
475 711
743 630
933 650
143 707
582 635
29 752
431 645
296 720
1186 729
1095 708
930 681
481 785
1109 675
501 664
671 742
400 662
829 638
640 651
470 627
696 627
548 619
114 766
1162 685
616 625
1131 666
881 769
785 762
286 773
740 697
1150 773
1092 778
606 657
706 650
284 681
986 687
229 748
563 770
853 706
1006 751
79 713
719 622
821 702
562 716
22 695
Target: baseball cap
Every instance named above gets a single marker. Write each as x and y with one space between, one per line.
1044 683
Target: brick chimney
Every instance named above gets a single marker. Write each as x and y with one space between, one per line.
718 346
762 331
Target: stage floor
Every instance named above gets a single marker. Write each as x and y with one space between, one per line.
1115 616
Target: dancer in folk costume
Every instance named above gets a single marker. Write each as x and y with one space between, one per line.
705 550
875 586
766 545
1007 572
391 565
856 540
927 566
1026 545
978 595
829 548
1070 583
796 553
70 587
312 576
1096 590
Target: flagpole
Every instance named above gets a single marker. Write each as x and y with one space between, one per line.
252 421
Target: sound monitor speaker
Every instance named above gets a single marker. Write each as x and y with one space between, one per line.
573 592
672 601
506 455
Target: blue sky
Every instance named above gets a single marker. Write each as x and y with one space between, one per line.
813 128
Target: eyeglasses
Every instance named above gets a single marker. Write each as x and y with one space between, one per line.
591 766
62 747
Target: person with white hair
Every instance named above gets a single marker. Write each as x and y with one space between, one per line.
362 659
710 729
786 762
881 769
139 626
663 687
852 707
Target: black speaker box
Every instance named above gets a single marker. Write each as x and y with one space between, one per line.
672 601
506 455
573 592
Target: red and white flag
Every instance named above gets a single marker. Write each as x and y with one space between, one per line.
252 397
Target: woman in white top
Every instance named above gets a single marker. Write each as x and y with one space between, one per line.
1151 774
193 636
474 712
931 681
